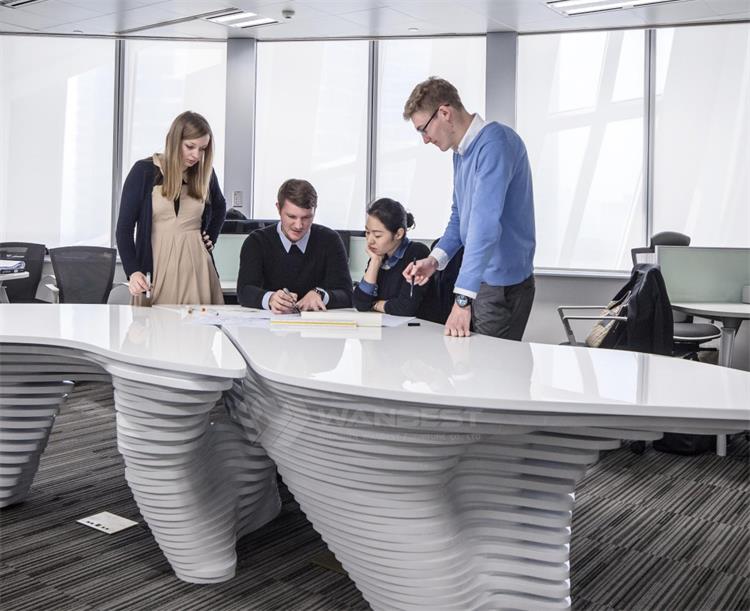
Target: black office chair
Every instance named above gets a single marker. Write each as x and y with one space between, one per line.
234 225
688 335
24 290
83 274
639 318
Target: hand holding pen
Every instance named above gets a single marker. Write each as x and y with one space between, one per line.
139 283
419 272
283 301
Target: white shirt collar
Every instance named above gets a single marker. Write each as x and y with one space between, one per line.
476 126
287 243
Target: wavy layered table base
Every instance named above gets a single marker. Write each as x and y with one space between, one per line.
198 482
438 507
34 384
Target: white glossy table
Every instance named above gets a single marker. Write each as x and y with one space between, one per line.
731 316
7 277
441 471
198 481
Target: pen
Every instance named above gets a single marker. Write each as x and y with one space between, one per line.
148 280
286 290
411 284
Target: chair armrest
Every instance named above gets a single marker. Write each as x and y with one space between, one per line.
595 317
52 288
565 318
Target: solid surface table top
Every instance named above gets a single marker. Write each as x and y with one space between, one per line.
143 336
419 364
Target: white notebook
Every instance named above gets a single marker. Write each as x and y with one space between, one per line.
344 317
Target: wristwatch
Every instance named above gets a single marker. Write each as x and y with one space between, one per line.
463 301
321 293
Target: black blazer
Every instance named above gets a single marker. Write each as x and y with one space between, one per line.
136 209
649 327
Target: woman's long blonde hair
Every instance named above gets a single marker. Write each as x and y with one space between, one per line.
187 126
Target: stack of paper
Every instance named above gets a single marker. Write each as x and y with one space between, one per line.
8 266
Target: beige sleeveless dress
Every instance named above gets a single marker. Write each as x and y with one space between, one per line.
183 270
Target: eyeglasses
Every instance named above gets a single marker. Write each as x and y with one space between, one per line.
423 129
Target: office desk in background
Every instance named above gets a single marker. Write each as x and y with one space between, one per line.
708 282
7 278
730 315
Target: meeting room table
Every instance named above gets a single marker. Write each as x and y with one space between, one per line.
440 471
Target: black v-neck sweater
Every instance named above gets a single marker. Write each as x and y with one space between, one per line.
400 299
266 266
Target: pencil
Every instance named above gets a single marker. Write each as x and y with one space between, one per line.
411 284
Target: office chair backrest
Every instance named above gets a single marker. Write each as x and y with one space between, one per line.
245 225
84 274
663 238
346 237
24 290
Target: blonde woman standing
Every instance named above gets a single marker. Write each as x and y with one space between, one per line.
171 212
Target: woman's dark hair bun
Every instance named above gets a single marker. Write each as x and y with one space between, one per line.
409 220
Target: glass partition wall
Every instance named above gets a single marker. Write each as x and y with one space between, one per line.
628 132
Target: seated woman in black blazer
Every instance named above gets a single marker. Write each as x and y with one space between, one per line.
383 288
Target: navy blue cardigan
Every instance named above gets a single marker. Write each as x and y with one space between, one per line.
136 210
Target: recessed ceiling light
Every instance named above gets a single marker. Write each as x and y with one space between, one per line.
252 22
17 3
570 8
241 19
234 16
414 29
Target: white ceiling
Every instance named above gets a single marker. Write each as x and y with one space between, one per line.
344 18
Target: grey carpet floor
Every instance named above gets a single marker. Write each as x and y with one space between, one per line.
654 531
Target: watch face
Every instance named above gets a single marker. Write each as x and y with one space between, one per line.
462 301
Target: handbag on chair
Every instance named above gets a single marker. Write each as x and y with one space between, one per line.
606 332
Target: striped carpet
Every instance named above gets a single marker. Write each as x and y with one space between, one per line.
654 531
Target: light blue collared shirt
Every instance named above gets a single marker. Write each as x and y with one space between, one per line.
398 254
287 244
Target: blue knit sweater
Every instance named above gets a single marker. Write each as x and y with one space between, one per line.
493 211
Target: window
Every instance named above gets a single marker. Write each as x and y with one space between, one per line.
581 114
164 79
702 134
311 123
419 176
56 120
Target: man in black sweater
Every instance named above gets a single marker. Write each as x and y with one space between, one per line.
294 265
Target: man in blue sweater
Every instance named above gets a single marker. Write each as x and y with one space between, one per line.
492 215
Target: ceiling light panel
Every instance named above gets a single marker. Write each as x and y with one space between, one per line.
18 3
241 19
571 8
